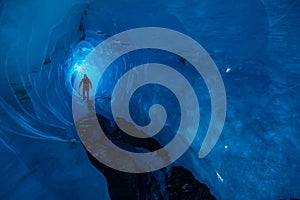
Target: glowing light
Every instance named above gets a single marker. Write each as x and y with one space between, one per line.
78 67
219 177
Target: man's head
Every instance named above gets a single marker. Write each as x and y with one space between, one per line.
85 76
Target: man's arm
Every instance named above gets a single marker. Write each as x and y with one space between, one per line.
91 83
80 83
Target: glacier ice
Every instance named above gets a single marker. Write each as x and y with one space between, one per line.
254 43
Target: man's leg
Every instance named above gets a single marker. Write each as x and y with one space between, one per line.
83 94
88 94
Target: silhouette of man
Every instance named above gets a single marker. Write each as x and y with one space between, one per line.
86 86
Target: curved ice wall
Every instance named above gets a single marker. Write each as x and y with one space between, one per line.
254 44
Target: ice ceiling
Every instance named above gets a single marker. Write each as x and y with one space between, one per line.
255 45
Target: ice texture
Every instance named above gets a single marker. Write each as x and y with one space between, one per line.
254 43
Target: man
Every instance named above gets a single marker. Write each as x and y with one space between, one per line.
86 86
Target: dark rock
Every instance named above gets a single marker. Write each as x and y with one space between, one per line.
181 184
178 182
47 60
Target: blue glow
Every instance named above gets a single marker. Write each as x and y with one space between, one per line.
254 43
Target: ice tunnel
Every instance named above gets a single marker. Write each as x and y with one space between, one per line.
44 47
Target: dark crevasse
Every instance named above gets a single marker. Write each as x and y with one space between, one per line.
255 45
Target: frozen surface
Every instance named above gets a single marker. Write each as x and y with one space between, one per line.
255 45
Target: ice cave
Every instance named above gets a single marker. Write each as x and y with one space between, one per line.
44 47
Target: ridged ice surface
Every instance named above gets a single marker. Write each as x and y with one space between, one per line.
255 45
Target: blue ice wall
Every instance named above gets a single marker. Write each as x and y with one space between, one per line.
254 43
